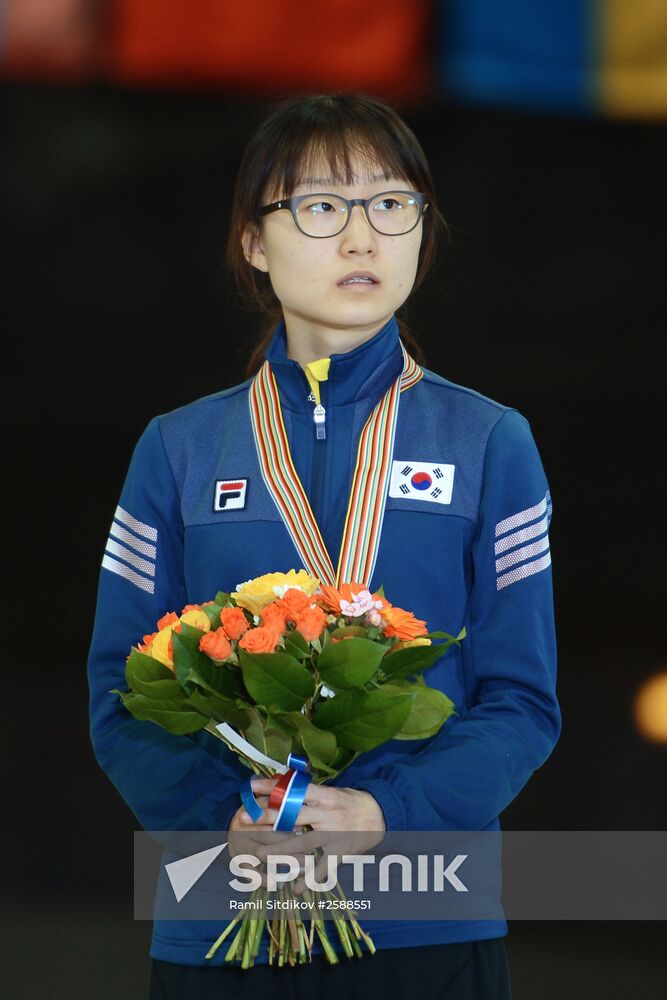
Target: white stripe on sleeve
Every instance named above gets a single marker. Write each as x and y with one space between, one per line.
523 516
524 535
520 572
141 529
526 552
145 565
122 570
122 535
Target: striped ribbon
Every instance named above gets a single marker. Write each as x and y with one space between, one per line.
365 511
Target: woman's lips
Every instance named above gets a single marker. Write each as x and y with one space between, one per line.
364 286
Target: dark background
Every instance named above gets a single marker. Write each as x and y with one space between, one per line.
114 211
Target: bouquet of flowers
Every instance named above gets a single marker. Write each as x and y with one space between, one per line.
288 670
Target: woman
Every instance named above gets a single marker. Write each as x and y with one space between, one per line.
445 503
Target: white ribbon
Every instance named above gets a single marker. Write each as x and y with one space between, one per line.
249 750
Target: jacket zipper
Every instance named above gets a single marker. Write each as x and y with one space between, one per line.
317 484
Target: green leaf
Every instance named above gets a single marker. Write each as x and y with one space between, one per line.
296 637
185 649
223 599
216 678
344 757
268 736
445 635
276 680
296 645
212 612
190 631
221 709
363 720
410 661
354 630
144 667
430 709
349 664
318 745
156 689
173 714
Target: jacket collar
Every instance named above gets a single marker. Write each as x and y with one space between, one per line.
367 370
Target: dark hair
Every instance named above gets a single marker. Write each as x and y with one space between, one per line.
295 134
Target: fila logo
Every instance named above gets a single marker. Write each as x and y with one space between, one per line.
230 494
422 481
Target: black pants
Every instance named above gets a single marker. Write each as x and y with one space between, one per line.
472 970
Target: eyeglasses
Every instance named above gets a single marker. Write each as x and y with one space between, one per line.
391 213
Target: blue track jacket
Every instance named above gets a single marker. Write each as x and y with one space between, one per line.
480 560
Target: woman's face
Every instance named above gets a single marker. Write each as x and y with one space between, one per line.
306 273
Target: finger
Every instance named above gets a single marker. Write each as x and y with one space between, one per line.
307 842
312 816
266 819
322 795
263 786
262 801
261 835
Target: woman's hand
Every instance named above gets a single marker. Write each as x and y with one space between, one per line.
328 808
326 811
246 837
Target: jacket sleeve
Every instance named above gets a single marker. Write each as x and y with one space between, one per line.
169 782
480 760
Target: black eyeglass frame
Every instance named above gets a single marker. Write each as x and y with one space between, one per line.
293 203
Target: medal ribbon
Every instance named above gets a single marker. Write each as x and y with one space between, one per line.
365 512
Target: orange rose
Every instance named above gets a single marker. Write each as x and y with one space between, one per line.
294 602
402 624
311 623
259 640
191 607
167 619
216 645
234 622
275 618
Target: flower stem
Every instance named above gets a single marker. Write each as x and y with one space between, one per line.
211 952
356 927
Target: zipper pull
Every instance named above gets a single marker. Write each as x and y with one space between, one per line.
319 416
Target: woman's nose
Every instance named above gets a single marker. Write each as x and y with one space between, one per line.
358 229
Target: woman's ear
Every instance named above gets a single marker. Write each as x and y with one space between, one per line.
253 249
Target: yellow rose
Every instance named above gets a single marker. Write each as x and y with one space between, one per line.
198 619
161 647
253 595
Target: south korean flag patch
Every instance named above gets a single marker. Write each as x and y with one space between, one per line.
422 481
230 494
